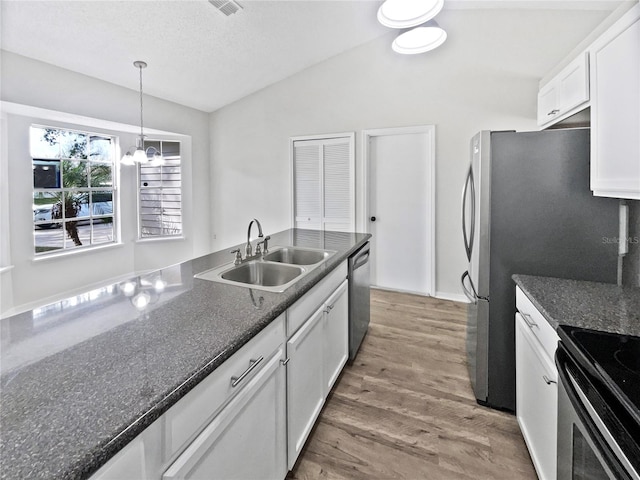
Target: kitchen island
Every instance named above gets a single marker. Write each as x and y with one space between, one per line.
83 377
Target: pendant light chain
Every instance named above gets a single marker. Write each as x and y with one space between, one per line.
141 116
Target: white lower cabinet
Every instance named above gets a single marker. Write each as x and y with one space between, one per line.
317 352
536 386
247 439
305 384
336 336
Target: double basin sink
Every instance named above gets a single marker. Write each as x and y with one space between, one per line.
275 271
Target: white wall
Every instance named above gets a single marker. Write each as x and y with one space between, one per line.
484 77
111 109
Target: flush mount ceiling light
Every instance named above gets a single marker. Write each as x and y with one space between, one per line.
140 155
420 39
408 13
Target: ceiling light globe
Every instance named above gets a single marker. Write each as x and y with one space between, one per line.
408 13
140 156
419 40
127 159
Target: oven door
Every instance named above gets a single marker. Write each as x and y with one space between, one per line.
586 448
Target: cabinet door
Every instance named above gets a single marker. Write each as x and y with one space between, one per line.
573 84
536 400
305 382
547 103
336 337
247 440
615 111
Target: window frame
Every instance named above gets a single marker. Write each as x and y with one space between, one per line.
158 142
88 189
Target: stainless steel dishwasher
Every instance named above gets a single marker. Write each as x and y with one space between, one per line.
359 299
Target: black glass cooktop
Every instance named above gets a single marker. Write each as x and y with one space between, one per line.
614 357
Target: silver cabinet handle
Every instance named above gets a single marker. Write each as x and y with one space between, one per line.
252 364
547 380
285 361
553 112
528 320
329 308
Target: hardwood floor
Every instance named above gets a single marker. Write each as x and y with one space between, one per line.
405 408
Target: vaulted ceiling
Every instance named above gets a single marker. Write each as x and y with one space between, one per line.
197 56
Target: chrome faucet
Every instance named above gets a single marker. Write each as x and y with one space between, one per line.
248 250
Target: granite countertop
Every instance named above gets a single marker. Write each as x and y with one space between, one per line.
82 377
592 305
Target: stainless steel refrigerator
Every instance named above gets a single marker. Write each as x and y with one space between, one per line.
526 208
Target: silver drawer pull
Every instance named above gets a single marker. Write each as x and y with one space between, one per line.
553 112
252 364
329 308
547 380
285 361
528 320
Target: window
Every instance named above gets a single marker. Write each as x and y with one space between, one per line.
160 193
73 186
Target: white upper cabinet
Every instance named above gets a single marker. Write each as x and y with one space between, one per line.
566 93
615 109
324 182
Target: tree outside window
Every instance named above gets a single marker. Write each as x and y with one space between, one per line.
73 187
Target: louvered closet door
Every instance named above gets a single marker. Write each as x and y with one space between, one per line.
307 184
337 186
324 184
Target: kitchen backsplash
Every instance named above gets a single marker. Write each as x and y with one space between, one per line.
631 261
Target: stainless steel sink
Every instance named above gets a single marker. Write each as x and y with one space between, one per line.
274 272
263 273
297 256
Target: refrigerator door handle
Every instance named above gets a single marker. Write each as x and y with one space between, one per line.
470 294
468 240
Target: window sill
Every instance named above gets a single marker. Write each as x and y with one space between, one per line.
68 253
161 239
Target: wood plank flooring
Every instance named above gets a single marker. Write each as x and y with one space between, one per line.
405 408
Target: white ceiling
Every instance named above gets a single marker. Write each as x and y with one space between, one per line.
197 56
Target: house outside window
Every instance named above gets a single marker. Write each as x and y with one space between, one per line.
160 193
73 189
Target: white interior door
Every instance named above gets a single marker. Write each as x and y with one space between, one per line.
400 191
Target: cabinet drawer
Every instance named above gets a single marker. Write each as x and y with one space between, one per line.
537 324
191 413
300 311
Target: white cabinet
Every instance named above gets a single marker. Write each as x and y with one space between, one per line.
536 385
336 336
566 93
305 384
246 440
615 109
317 352
324 182
140 459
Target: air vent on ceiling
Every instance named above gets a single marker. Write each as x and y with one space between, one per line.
228 7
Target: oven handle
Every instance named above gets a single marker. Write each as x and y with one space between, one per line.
596 429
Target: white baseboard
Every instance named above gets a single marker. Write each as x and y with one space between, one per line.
455 297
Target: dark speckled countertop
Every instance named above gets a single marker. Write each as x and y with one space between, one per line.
82 377
591 305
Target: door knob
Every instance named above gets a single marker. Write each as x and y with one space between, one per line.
373 219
